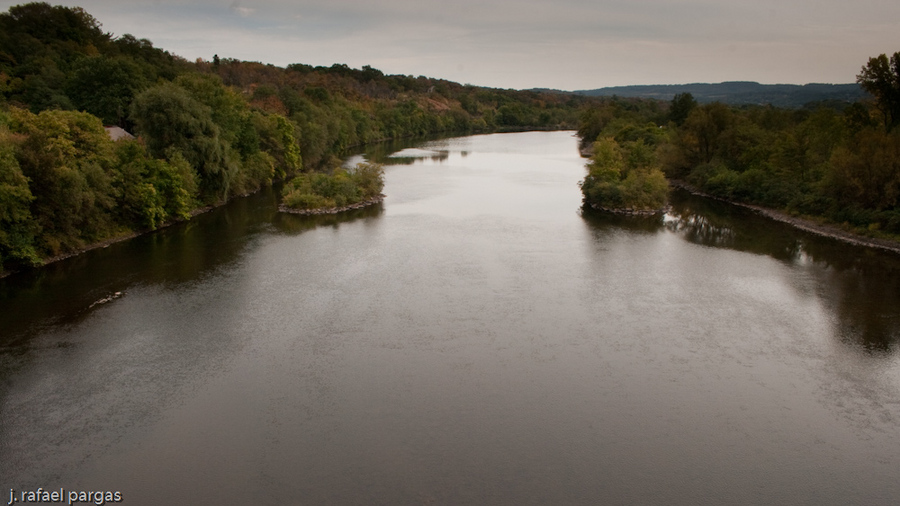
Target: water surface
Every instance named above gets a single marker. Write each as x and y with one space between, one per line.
475 339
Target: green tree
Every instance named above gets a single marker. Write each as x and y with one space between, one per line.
338 189
681 106
150 191
105 87
601 186
702 131
228 110
38 44
624 177
171 122
277 137
881 78
38 29
68 158
155 62
868 173
17 228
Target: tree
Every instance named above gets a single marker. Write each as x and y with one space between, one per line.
17 228
155 62
681 107
68 159
624 177
150 191
702 130
227 108
336 190
38 29
173 122
868 174
881 78
105 87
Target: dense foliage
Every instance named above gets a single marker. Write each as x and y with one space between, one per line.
881 78
624 172
624 177
837 163
206 130
337 190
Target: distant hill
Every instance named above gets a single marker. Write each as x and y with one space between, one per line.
740 92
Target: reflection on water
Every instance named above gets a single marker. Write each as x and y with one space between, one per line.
713 223
297 223
608 222
395 152
862 286
410 156
65 294
62 293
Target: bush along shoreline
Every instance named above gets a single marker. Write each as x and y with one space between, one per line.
342 190
624 179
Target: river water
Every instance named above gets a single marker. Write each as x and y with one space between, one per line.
475 339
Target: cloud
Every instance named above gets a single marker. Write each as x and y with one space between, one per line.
242 11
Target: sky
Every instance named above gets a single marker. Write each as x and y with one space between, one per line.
521 44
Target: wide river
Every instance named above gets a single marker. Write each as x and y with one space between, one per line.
475 339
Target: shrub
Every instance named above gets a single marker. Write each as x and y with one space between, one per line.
338 189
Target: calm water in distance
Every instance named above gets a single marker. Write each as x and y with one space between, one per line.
476 339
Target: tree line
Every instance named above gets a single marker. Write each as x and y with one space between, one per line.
206 130
836 161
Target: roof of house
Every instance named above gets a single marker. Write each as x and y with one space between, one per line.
116 133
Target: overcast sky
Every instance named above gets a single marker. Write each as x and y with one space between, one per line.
563 44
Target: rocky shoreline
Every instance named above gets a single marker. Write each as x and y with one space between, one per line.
332 210
628 211
807 225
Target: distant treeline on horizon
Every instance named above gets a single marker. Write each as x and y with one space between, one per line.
739 93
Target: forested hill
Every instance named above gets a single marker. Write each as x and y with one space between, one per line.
206 130
740 93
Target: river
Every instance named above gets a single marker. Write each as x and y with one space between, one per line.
475 339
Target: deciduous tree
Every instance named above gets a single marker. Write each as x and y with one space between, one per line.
171 121
881 78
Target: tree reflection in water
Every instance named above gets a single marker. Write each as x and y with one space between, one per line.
293 224
606 222
860 285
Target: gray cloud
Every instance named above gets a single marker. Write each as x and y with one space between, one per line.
242 11
566 44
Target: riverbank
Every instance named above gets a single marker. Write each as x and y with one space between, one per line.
332 210
803 223
113 240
